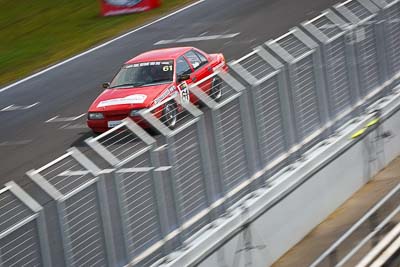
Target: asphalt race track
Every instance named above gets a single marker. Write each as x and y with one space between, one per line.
27 141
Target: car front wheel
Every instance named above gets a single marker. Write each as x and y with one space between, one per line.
169 114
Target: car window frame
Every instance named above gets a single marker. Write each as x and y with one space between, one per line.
201 63
187 62
201 54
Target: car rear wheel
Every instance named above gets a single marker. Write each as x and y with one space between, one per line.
169 114
216 90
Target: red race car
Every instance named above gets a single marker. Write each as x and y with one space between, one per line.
150 78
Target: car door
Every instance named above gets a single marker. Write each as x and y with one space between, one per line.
201 67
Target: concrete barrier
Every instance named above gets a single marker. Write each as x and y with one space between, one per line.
271 220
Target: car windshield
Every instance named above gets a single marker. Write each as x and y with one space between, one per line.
144 74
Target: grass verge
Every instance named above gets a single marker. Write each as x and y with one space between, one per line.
37 33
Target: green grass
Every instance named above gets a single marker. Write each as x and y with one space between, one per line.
37 33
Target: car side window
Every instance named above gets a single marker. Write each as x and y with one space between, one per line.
203 59
182 67
194 59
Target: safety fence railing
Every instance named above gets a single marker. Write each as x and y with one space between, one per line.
152 184
365 234
75 183
145 206
23 232
385 252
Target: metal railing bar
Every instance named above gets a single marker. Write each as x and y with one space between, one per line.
391 250
53 162
382 245
355 226
4 189
18 225
369 236
79 189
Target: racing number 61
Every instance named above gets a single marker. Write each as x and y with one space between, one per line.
167 68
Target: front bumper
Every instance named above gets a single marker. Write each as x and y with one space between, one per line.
101 126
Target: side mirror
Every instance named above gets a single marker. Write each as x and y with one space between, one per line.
106 85
183 77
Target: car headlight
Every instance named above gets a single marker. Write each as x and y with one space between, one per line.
95 116
135 112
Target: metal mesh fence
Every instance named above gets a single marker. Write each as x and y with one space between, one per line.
267 96
293 45
123 143
368 59
23 239
327 27
305 97
138 209
81 218
21 248
231 144
67 175
186 158
72 181
12 211
269 115
338 76
330 31
306 83
189 173
358 9
256 65
392 36
361 15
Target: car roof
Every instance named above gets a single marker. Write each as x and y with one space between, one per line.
160 54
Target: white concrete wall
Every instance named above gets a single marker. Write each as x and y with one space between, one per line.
312 191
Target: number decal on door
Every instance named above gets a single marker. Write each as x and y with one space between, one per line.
184 92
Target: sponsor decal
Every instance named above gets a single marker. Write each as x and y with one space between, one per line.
167 65
184 92
164 94
131 99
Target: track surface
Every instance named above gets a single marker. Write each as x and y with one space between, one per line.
27 142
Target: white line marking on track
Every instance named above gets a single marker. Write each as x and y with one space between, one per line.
198 38
98 47
58 119
74 126
15 143
14 107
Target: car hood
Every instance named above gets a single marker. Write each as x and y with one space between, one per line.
127 98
